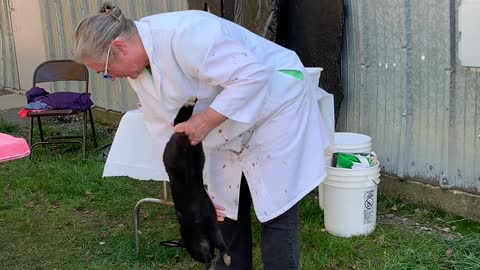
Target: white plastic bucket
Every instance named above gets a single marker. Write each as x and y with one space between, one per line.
351 200
314 73
347 142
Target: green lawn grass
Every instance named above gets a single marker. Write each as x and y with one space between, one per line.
57 212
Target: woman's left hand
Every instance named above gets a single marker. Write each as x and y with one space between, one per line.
200 124
196 128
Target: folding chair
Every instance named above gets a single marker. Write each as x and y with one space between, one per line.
54 71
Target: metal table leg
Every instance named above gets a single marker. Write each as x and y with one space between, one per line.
136 213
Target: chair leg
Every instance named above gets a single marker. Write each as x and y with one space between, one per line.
84 138
40 129
92 127
31 137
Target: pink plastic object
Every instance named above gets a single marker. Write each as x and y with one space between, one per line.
12 148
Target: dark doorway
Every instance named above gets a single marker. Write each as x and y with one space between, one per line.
221 8
313 29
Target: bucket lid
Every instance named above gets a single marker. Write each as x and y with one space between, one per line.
348 138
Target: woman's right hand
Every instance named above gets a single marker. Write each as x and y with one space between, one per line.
220 212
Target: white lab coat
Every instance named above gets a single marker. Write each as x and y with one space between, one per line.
274 134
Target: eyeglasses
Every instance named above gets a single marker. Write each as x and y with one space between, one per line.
105 73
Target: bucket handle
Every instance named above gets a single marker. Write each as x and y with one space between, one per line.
375 180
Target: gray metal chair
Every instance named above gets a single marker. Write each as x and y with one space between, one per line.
54 71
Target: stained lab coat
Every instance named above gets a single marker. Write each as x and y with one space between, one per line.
274 133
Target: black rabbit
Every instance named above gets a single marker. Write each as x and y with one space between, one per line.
194 209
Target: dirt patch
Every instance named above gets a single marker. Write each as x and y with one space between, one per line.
91 219
5 92
445 232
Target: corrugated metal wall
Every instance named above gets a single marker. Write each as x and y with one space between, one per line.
8 64
405 88
60 19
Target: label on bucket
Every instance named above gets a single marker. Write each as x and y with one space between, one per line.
368 207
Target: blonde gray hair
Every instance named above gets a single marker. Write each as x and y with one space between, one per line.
95 33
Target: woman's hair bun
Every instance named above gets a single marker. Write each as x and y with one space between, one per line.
107 7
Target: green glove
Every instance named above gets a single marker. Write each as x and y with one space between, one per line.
353 161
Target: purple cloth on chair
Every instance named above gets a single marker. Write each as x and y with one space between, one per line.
60 100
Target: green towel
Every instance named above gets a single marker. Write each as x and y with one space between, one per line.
297 74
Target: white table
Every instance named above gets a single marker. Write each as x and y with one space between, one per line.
133 152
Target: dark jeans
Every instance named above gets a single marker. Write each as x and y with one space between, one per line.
279 238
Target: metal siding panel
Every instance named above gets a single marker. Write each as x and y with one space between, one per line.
60 19
434 59
354 114
422 114
386 144
425 156
395 97
60 27
376 97
371 55
457 127
388 47
441 42
463 167
456 175
9 74
352 96
47 32
380 50
469 132
347 65
3 43
417 150
363 90
405 95
463 171
476 144
394 29
449 80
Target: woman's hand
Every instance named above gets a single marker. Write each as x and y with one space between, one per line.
200 124
220 212
196 128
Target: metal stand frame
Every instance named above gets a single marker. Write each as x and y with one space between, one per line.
136 213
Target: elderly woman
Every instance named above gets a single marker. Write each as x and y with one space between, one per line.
256 114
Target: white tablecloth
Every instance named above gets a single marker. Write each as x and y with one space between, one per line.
133 152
